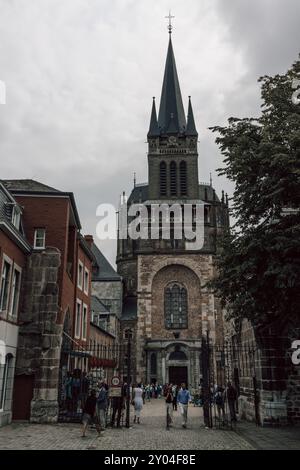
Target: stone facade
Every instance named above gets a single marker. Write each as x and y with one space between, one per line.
40 335
165 350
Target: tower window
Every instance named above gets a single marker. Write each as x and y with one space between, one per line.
176 307
163 179
183 181
173 179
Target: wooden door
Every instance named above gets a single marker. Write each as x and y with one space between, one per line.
23 394
177 375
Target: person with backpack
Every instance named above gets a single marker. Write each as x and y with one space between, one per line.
219 401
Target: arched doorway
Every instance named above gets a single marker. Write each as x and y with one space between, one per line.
178 365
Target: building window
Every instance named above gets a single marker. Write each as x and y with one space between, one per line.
176 307
86 281
84 321
163 178
173 179
128 334
4 376
16 217
80 275
78 319
15 291
183 179
5 282
39 238
207 214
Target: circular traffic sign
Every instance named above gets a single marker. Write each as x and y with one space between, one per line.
115 381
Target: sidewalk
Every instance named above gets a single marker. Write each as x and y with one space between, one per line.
270 438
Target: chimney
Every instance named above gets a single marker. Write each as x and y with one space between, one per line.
89 239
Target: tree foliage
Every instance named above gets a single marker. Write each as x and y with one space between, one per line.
259 263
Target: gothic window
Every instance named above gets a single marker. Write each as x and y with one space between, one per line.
183 179
173 179
163 179
176 308
153 364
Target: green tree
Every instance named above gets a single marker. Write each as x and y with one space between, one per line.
259 263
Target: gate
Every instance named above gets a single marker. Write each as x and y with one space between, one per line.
228 363
83 369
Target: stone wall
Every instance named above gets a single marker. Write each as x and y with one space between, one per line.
154 271
276 399
40 335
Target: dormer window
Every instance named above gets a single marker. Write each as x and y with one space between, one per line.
16 216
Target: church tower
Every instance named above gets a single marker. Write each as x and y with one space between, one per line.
172 142
167 306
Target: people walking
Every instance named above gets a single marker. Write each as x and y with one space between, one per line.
169 404
231 395
102 404
219 401
89 413
183 400
137 400
175 393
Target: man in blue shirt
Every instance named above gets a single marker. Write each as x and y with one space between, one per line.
183 399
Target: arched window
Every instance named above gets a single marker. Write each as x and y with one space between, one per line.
176 307
173 179
183 179
163 178
177 356
153 364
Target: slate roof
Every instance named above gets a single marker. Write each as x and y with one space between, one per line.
129 311
171 117
102 269
140 193
31 186
97 306
28 185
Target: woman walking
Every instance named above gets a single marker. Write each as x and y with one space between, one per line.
137 400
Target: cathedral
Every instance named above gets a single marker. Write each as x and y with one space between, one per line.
167 306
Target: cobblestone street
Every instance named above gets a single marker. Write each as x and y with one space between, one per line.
150 434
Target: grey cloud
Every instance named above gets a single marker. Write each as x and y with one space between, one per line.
80 76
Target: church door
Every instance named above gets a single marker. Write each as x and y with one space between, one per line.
177 375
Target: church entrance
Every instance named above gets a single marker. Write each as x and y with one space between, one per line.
178 374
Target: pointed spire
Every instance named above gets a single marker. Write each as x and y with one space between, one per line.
191 127
171 118
153 129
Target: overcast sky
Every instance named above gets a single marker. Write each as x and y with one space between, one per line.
80 76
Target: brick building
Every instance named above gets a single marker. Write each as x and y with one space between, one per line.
14 249
167 306
55 298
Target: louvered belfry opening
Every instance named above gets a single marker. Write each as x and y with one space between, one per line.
163 179
173 179
183 179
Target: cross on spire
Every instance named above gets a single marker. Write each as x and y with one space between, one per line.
170 26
